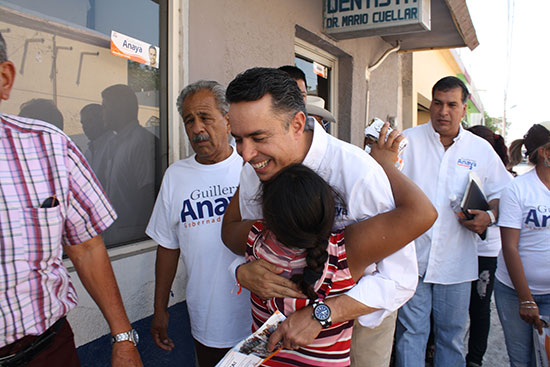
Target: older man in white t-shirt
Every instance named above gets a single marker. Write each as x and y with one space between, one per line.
186 221
439 158
267 116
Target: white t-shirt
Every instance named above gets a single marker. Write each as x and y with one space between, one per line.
366 191
188 215
447 252
490 247
525 205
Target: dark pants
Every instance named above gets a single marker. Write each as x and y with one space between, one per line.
62 352
208 356
55 348
480 309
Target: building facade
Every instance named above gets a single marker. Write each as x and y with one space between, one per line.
69 51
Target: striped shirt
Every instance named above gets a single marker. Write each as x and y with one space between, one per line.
332 345
37 162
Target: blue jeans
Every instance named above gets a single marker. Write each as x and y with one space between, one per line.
518 334
449 305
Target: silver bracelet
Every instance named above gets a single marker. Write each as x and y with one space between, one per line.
528 303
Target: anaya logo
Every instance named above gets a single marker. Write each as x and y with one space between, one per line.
465 162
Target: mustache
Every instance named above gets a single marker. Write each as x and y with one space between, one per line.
200 137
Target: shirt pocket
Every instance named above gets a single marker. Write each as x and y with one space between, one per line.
42 232
31 242
458 182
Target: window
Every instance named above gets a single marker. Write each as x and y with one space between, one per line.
320 69
109 105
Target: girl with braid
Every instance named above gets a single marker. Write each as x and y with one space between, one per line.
297 235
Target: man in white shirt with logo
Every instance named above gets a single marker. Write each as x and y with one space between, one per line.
439 157
268 120
187 220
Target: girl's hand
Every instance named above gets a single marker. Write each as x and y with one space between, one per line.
385 150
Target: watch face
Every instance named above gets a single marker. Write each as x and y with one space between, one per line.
135 335
322 312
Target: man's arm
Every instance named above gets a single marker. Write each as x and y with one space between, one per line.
510 252
301 329
234 229
259 277
375 238
165 271
94 269
496 178
396 276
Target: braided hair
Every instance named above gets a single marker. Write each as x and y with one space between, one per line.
299 209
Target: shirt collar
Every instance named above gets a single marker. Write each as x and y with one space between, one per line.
437 137
317 149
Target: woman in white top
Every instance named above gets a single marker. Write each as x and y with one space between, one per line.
522 288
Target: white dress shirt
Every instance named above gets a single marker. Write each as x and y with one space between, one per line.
447 252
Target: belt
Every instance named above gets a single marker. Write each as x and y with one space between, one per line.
22 351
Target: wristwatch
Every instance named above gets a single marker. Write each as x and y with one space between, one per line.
321 313
491 216
131 336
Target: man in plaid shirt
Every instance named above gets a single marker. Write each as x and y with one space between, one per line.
50 201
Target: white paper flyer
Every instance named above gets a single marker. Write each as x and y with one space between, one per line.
252 352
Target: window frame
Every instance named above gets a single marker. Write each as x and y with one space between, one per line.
308 51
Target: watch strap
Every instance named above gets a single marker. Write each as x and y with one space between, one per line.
130 336
492 216
325 323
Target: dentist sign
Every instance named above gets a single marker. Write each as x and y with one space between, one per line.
343 19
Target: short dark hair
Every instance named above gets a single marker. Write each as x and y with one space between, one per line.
451 82
295 72
93 110
255 83
125 97
218 91
42 109
3 49
299 209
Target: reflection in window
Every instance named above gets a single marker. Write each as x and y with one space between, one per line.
109 106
